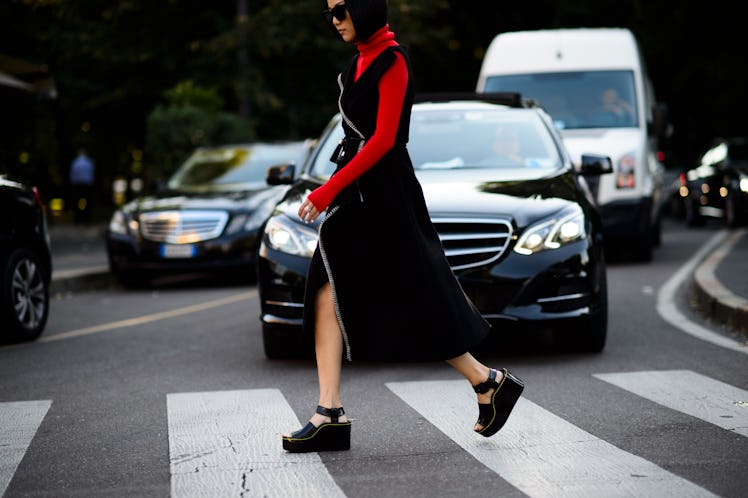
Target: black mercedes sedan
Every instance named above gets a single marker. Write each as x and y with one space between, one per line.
517 223
718 186
206 219
25 261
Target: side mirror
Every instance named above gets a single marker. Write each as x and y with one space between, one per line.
595 164
281 174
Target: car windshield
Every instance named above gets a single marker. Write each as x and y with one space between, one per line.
581 99
239 167
470 138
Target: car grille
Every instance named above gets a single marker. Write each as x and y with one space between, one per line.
182 227
470 242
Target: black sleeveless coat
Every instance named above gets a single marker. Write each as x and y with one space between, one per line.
395 295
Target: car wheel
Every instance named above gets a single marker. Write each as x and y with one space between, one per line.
643 247
587 335
130 279
657 232
24 297
280 343
693 217
733 214
677 210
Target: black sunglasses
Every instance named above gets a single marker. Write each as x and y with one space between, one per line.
338 12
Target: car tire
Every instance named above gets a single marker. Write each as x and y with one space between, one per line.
280 344
657 232
24 297
677 209
693 216
733 214
643 246
589 334
130 279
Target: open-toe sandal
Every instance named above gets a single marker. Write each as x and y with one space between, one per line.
493 415
329 436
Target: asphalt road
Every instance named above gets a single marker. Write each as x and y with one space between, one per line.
166 391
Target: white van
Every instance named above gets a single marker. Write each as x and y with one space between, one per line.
594 84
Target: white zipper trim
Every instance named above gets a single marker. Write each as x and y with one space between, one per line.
345 118
353 127
346 344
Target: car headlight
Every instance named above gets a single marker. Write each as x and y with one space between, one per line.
552 233
287 236
744 184
123 224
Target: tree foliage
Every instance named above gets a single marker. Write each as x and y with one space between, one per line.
192 118
114 60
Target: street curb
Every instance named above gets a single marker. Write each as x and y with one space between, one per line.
714 299
81 281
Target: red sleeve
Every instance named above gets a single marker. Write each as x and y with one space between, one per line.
392 88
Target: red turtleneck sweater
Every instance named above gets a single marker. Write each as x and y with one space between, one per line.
392 88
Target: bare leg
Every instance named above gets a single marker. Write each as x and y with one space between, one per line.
328 346
475 372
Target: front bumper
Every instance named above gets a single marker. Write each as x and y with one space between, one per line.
541 290
137 254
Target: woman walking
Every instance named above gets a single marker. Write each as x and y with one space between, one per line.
364 298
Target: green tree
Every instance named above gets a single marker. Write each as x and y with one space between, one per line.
192 118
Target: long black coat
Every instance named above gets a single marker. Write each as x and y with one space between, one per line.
395 295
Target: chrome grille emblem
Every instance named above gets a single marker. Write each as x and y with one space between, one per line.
470 242
182 227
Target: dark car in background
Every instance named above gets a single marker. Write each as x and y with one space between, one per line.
718 186
206 218
25 262
520 229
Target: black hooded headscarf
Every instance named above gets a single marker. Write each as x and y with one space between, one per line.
368 17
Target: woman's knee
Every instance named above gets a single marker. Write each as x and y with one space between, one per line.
324 299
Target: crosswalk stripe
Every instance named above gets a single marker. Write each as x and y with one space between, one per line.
228 443
538 452
19 422
691 393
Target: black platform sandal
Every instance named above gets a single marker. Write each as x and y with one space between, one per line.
329 436
493 415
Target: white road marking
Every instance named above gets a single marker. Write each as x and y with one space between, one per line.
153 317
538 452
19 422
668 309
228 443
690 393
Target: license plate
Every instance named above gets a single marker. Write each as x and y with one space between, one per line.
178 251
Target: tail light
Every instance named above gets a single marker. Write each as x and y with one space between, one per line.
37 197
625 177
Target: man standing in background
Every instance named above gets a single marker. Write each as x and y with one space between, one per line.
81 186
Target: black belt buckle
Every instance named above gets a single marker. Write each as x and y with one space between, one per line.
338 153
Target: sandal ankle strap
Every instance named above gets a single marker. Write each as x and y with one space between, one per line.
333 413
491 383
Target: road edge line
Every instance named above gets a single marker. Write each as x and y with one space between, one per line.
667 309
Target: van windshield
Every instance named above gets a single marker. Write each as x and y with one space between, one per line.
580 99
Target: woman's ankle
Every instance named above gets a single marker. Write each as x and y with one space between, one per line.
335 411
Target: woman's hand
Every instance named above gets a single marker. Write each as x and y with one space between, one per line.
307 212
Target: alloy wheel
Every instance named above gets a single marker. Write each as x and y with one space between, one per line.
28 294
